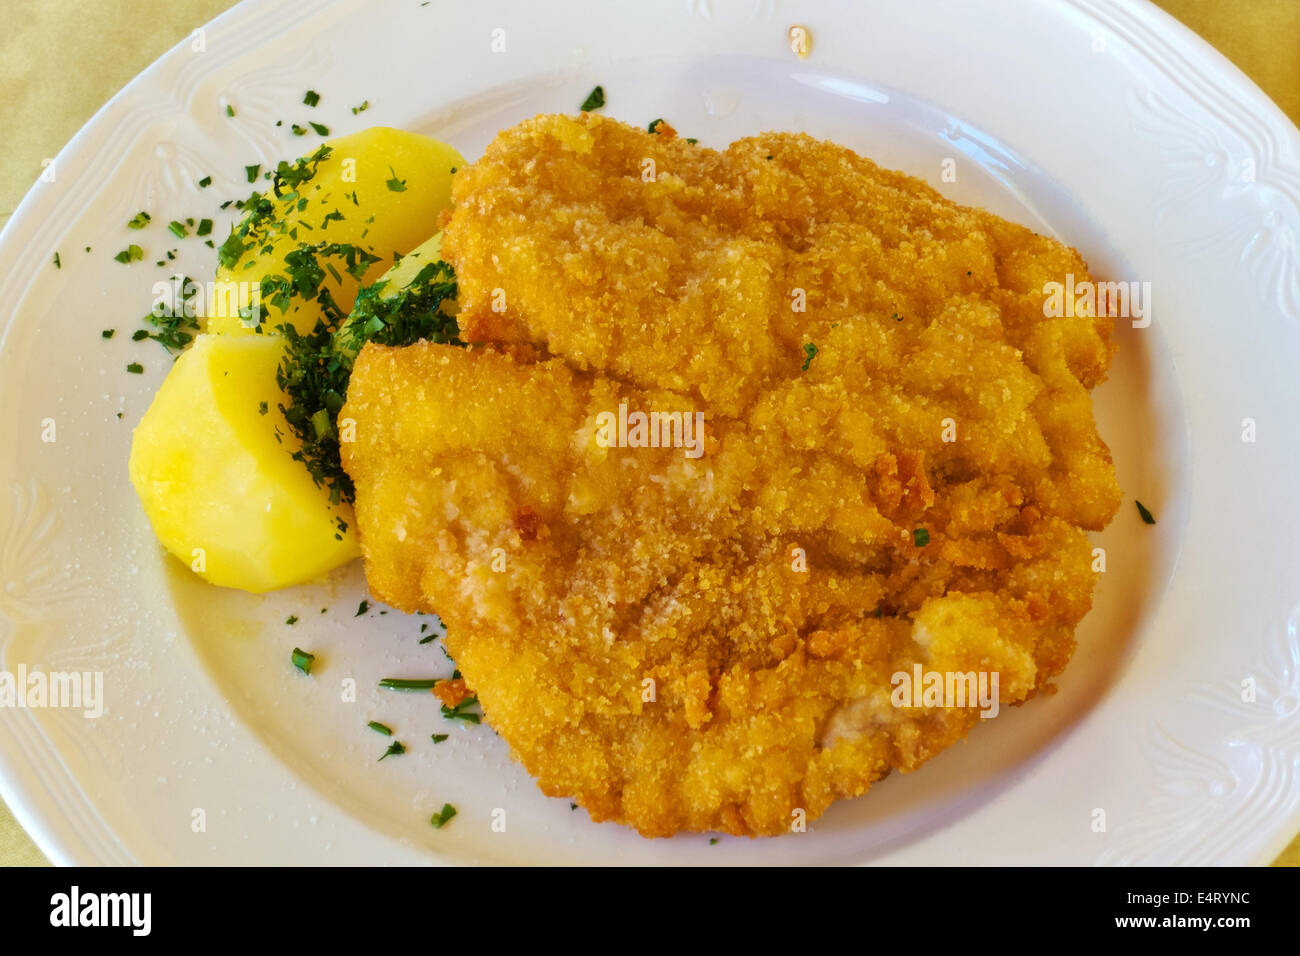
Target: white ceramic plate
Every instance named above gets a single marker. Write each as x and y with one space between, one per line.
1102 122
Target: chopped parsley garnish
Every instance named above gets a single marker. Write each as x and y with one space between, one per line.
261 225
365 105
404 317
135 368
315 370
302 660
131 253
253 171
320 128
205 182
439 738
108 333
230 110
396 748
654 125
692 140
426 640
58 263
312 98
810 352
1147 516
291 620
920 537
443 816
317 365
379 728
298 130
177 229
173 325
462 712
402 683
713 841
262 409
171 333
362 608
229 252
139 220
594 101
204 227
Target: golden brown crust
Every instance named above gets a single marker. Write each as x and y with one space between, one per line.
707 643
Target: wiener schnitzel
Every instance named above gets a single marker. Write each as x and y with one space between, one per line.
898 466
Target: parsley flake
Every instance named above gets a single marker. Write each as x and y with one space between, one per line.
462 712
443 816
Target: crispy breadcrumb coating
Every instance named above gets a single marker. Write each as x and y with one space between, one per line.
708 643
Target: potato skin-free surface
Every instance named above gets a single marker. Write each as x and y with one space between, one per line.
709 643
221 492
356 181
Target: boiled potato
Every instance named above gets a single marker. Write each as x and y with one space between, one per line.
389 186
222 493
381 299
400 275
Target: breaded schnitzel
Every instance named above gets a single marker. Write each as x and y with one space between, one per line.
899 464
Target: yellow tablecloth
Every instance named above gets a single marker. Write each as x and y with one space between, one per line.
57 66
